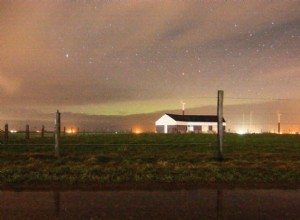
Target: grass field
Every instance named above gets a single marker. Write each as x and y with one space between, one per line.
151 158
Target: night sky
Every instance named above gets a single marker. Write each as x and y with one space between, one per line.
135 57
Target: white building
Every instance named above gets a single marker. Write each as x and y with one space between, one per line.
171 123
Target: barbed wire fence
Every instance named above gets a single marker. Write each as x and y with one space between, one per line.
247 119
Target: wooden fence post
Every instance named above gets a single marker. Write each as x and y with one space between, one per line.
43 131
6 133
57 133
27 132
278 123
220 124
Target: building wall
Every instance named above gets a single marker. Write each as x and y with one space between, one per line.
188 127
181 129
198 129
160 129
171 129
165 120
174 129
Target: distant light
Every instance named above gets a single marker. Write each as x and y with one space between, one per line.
137 131
13 131
241 131
71 131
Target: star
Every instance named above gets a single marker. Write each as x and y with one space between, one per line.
115 58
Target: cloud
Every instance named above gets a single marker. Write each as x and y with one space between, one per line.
237 116
8 85
121 52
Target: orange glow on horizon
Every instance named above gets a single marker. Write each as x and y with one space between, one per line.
71 131
137 131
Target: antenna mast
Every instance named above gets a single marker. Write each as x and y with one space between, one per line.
183 104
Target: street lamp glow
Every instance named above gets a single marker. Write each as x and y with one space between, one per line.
241 131
137 131
71 131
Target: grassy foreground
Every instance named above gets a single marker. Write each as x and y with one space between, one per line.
151 158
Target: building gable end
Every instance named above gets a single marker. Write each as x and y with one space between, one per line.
165 120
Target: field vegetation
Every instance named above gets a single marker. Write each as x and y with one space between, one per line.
150 158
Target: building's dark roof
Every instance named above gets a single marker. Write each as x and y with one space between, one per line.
195 118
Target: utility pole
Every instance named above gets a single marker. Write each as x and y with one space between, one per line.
27 132
278 123
57 133
6 133
43 131
220 124
244 127
250 123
